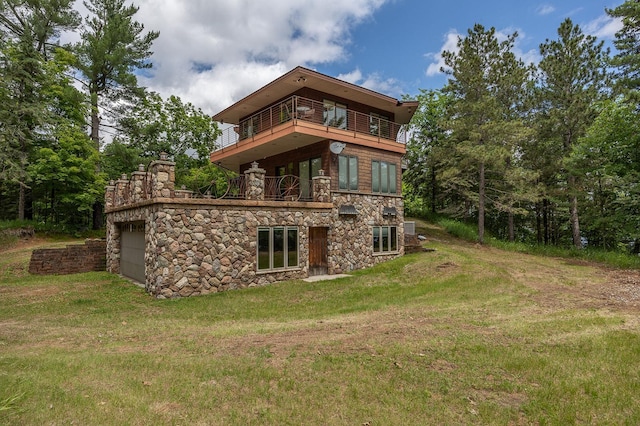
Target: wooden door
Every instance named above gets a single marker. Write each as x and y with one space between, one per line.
318 245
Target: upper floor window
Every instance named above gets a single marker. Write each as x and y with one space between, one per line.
308 170
383 177
335 114
379 125
348 173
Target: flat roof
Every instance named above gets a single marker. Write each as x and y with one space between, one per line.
300 77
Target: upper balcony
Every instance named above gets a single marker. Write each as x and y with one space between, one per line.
297 122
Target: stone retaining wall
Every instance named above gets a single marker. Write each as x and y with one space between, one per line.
72 259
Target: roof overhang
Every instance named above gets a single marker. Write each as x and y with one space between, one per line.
300 77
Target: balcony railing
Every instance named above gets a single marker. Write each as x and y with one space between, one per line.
298 108
276 188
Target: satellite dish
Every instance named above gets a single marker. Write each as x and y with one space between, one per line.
337 147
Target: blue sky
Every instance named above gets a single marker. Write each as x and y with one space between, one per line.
214 52
402 39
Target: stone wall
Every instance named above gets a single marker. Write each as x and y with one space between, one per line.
202 246
69 260
211 246
351 236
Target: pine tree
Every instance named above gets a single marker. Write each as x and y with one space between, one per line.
573 77
28 35
485 86
113 47
628 44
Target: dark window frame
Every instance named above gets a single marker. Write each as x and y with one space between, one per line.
350 180
384 177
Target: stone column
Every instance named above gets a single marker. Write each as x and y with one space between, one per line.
110 195
163 177
113 245
322 188
122 191
254 178
138 189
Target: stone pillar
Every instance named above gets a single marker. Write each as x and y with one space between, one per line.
322 188
122 191
138 190
254 178
163 177
110 195
113 245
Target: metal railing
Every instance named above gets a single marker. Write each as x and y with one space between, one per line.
276 188
299 108
287 188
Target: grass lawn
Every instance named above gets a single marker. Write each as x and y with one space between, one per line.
463 335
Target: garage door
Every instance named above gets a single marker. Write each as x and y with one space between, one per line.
132 251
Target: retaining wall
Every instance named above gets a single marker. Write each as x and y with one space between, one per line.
72 259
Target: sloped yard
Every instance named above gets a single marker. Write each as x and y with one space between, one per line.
463 335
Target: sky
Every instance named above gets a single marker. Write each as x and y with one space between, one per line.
214 52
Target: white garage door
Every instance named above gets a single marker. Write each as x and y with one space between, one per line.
132 251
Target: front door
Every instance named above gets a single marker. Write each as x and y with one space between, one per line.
318 246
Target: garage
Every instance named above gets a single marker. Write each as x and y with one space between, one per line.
132 251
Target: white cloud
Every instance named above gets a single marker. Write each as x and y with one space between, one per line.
603 27
373 82
450 45
545 9
214 52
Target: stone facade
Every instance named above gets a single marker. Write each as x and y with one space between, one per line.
199 246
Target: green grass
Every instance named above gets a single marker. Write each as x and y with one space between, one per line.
462 335
469 233
50 230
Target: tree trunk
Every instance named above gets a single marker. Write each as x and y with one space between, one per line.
539 222
433 190
481 188
21 201
545 220
512 228
97 214
95 120
573 212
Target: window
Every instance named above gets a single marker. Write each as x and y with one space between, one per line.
284 170
379 125
348 173
308 169
385 239
383 177
277 248
249 127
335 114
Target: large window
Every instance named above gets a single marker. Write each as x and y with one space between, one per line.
308 169
335 114
379 125
348 173
385 239
277 248
383 177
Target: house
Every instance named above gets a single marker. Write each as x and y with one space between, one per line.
316 189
